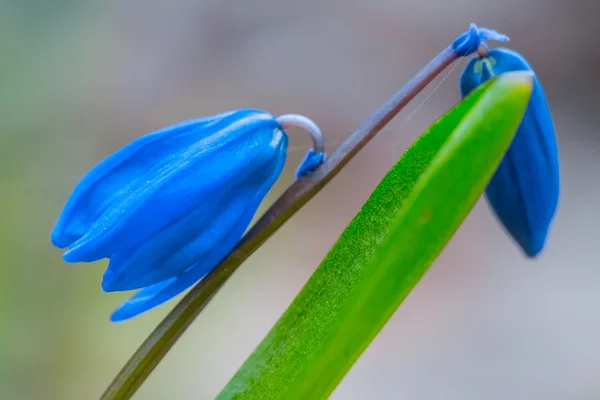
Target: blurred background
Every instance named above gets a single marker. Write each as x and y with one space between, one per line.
78 80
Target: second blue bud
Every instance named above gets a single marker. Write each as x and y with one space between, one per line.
524 191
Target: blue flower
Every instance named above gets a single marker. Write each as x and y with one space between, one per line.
524 190
168 207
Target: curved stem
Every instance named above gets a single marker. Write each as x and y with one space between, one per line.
160 341
308 125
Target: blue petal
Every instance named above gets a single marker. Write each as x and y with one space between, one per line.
468 42
157 294
310 163
524 190
178 246
164 190
108 181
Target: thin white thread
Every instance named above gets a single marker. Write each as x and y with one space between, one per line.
405 120
412 114
422 103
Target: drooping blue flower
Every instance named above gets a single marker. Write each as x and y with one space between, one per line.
168 207
524 190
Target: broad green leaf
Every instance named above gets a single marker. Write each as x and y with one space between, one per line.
386 249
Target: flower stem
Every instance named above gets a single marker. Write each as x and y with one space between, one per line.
160 341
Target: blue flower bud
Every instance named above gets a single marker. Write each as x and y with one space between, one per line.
168 207
524 190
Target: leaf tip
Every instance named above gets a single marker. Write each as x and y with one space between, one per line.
518 80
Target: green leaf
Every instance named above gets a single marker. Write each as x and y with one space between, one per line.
386 249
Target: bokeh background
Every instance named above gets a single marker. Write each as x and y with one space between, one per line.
79 79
